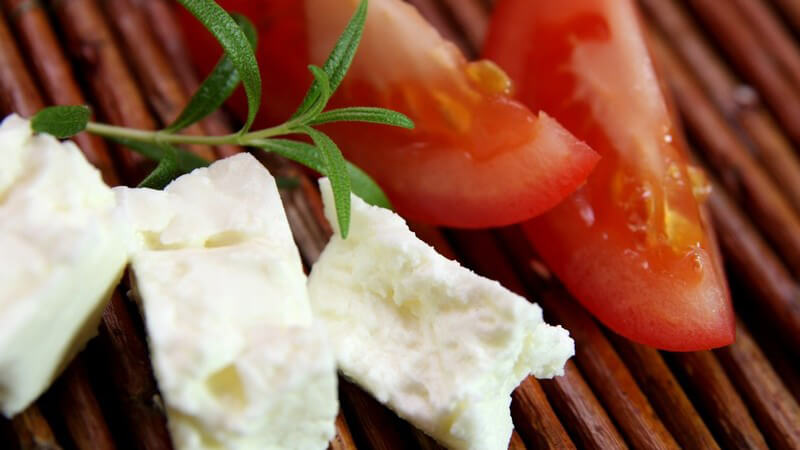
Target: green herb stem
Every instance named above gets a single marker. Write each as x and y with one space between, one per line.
239 37
162 137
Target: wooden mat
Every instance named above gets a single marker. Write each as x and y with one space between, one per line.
734 68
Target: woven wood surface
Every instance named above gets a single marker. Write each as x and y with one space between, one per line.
733 67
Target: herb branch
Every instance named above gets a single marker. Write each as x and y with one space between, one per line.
238 38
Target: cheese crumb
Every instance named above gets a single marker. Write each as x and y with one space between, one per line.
237 356
62 251
441 346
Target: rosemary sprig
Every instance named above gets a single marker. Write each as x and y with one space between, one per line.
238 65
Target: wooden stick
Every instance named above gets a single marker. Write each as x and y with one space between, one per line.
667 396
779 354
736 101
17 90
434 13
755 263
55 75
605 372
740 173
114 90
580 412
375 426
774 408
426 442
306 218
343 440
33 431
535 421
791 9
132 376
775 39
150 63
80 409
724 409
472 18
516 442
741 43
165 27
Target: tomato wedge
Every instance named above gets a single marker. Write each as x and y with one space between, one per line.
476 158
631 244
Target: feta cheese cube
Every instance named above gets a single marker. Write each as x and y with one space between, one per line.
441 346
62 250
237 357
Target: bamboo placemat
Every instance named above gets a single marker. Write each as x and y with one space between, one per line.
734 69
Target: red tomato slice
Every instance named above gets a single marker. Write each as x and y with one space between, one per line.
631 244
477 158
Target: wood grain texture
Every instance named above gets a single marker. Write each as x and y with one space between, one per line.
790 10
580 411
742 44
41 44
132 376
533 418
438 15
32 430
736 100
18 92
774 37
665 393
80 410
471 18
342 440
115 93
726 386
716 396
373 426
516 442
773 407
777 293
781 356
149 62
166 28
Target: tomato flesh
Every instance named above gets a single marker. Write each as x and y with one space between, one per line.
477 158
632 244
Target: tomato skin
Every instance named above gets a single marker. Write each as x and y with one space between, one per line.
632 244
477 158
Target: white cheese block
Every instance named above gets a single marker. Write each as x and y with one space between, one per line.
238 359
440 345
61 252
